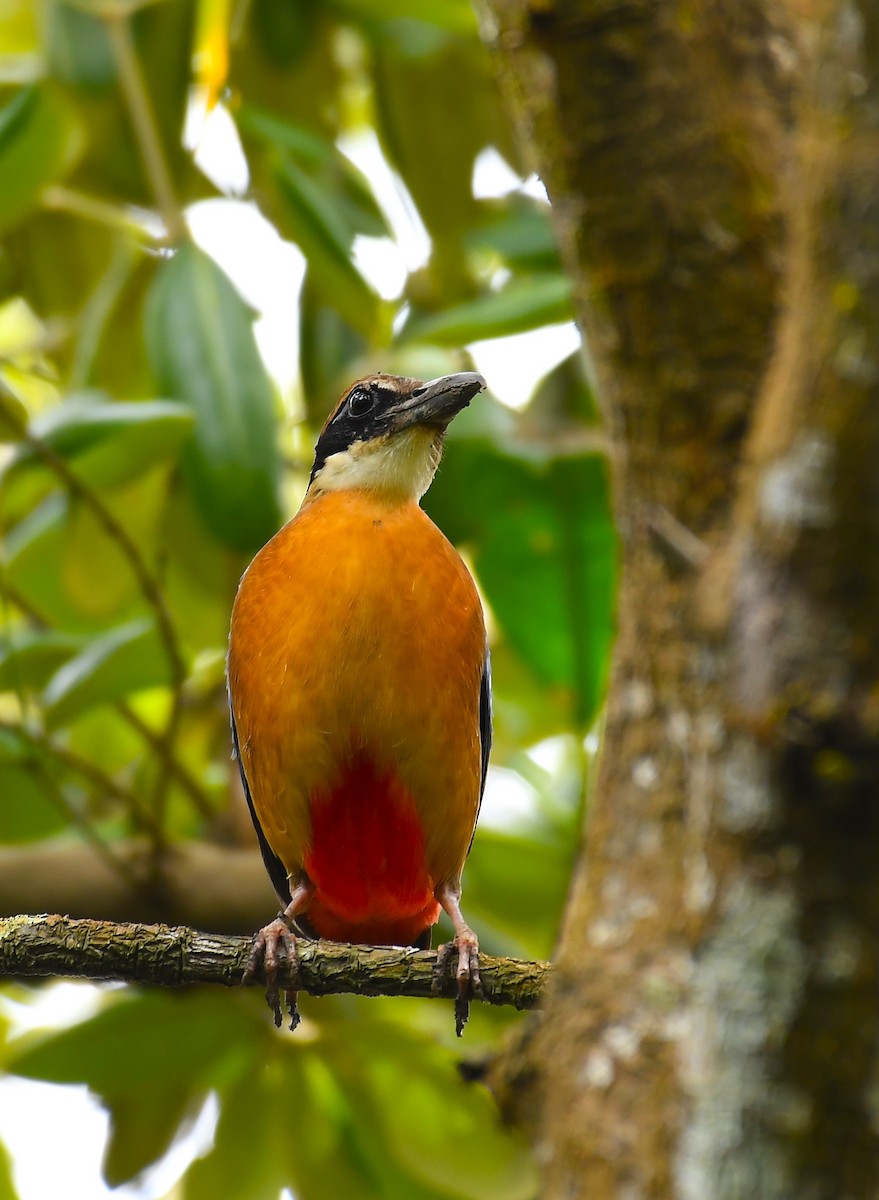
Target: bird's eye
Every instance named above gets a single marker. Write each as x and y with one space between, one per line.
360 402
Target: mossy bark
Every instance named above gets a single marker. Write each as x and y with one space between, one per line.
713 1025
164 956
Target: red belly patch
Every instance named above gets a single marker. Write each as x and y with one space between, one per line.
367 861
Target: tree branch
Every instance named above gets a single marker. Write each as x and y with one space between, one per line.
171 957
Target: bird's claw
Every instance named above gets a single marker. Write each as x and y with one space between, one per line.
277 936
293 1008
464 946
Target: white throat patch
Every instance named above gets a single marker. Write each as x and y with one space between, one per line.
401 464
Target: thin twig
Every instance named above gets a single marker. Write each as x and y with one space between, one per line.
130 221
86 769
689 549
56 795
165 748
13 596
144 122
158 742
171 957
152 594
98 309
149 587
151 823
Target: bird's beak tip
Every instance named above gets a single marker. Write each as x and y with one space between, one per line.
440 400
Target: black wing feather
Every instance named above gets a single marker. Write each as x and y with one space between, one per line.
276 869
485 719
484 730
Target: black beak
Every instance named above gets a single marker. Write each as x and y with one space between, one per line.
437 402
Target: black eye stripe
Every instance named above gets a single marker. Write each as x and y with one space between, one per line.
368 409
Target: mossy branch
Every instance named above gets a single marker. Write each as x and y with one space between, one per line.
174 956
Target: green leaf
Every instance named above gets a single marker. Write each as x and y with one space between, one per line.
107 444
522 305
304 145
111 166
83 420
285 38
142 1128
564 400
176 1038
39 142
453 16
526 711
125 660
29 657
13 415
64 564
34 548
19 33
517 887
288 62
252 1144
150 1058
409 1105
14 746
76 46
23 366
341 1147
544 549
196 576
328 350
7 1186
319 225
436 109
558 529
109 351
27 813
200 340
519 230
338 181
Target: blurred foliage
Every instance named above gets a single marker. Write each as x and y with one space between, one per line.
148 453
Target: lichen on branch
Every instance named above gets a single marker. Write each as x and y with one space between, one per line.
167 956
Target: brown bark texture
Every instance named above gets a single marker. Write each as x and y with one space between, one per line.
32 946
713 1024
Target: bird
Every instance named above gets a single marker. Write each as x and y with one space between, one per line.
359 684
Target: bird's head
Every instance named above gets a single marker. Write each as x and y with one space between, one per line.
386 433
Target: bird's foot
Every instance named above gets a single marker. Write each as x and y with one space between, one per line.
464 946
273 940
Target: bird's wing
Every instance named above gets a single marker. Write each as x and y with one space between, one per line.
485 719
484 732
274 866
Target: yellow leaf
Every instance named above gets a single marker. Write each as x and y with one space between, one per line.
211 58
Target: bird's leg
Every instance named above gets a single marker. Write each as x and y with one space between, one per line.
466 945
279 934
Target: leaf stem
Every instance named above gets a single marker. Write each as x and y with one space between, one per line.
153 596
143 119
56 794
113 216
98 779
149 587
159 743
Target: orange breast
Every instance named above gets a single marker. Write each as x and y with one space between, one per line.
355 662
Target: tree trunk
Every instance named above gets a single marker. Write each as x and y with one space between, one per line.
714 172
